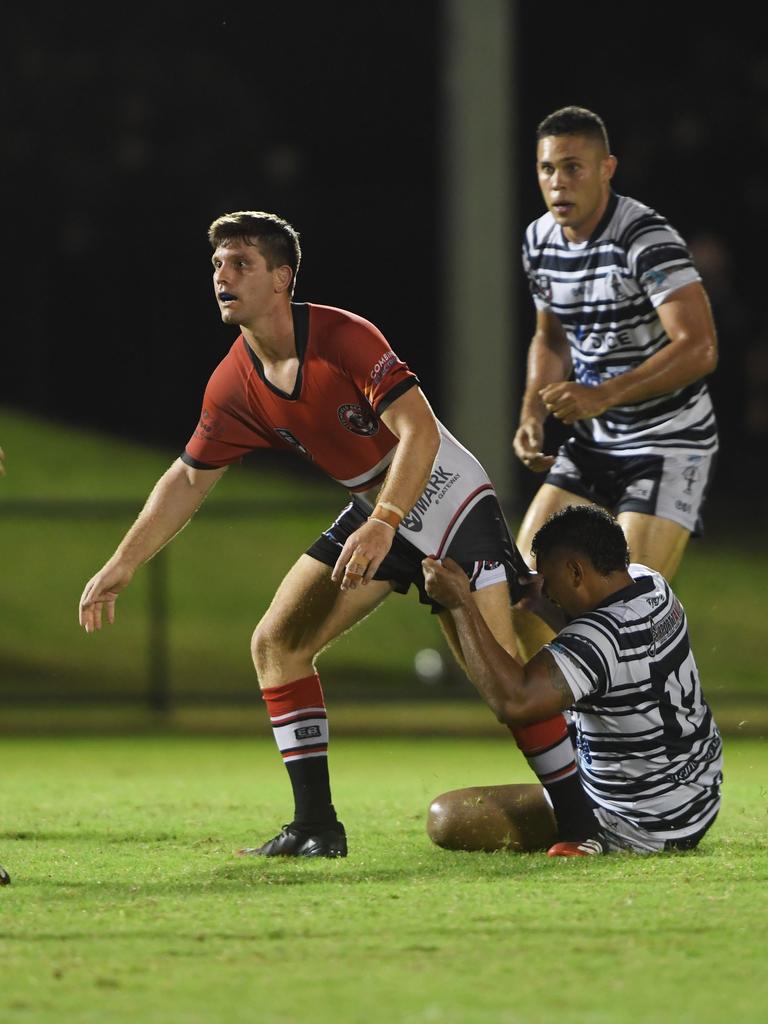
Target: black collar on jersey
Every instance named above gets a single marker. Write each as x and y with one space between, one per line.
643 585
603 223
610 209
300 314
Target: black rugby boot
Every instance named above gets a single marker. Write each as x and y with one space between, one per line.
295 841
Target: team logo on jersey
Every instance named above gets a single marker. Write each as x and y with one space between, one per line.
661 631
616 283
541 286
206 426
382 367
292 440
358 420
582 745
654 278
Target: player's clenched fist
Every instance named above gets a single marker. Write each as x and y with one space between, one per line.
446 582
570 401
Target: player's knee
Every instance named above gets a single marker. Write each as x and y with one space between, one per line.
268 645
274 642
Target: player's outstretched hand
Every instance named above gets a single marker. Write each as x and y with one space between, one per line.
528 443
362 554
100 594
446 582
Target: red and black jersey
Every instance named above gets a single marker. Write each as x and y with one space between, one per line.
348 375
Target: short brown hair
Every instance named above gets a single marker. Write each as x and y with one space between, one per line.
574 121
276 239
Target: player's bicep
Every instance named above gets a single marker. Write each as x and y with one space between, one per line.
548 691
410 413
686 317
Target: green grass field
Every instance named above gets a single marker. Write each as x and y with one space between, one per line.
128 906
127 903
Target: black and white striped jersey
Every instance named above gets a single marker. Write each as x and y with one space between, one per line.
605 292
648 747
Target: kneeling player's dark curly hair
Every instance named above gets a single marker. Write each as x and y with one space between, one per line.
589 530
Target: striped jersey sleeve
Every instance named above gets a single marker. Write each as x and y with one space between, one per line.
657 257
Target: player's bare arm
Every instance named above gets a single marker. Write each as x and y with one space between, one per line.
173 501
549 361
412 421
690 355
517 694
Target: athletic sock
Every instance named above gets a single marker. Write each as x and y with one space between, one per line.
300 727
549 751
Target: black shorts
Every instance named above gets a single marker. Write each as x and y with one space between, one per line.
672 485
482 547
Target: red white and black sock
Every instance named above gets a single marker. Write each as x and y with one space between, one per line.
300 727
549 751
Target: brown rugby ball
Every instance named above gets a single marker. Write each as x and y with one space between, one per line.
488 818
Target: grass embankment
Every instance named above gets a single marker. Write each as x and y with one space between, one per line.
221 574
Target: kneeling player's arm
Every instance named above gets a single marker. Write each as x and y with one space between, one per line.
517 694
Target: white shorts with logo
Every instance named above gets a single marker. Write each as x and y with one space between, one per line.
457 516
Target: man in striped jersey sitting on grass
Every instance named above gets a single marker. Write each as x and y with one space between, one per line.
624 338
649 752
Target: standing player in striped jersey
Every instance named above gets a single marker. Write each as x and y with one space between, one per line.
624 339
650 754
325 384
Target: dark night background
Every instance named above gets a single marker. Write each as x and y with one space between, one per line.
126 132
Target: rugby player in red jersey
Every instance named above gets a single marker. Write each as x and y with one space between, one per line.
324 383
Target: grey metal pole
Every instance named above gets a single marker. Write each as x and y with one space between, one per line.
481 385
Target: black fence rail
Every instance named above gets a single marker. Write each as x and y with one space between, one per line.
158 690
